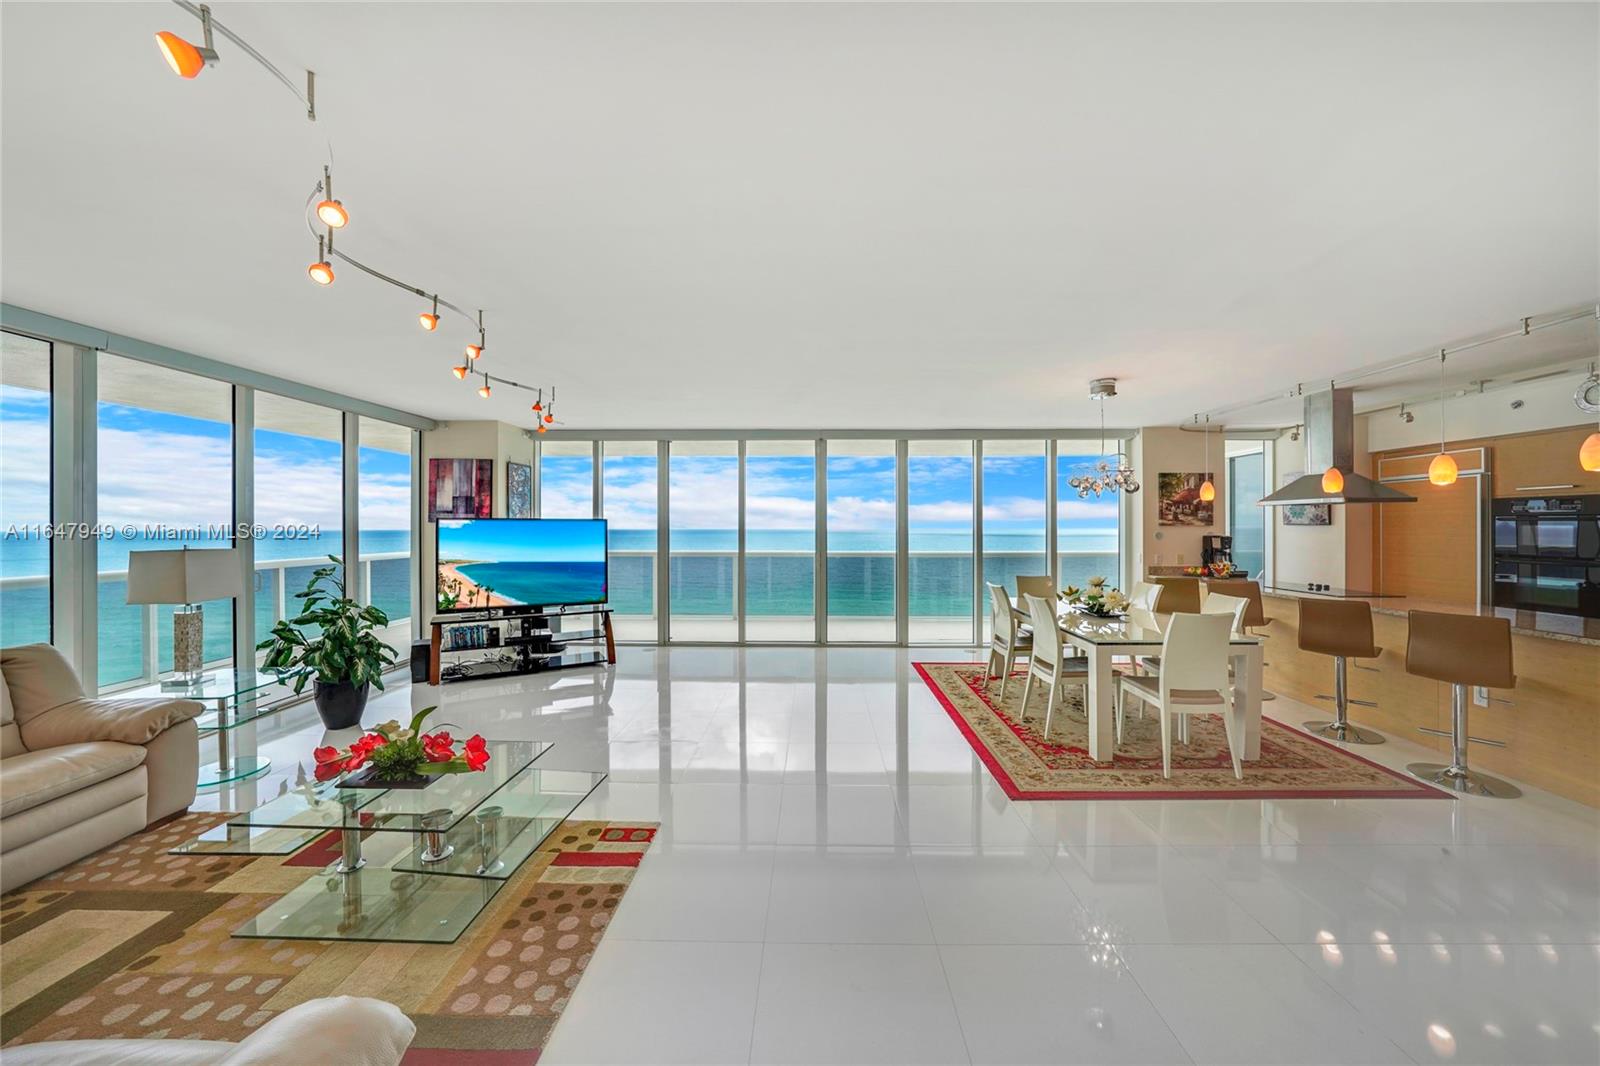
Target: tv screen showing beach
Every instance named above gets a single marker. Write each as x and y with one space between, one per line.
520 562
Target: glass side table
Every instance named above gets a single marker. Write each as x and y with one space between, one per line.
234 700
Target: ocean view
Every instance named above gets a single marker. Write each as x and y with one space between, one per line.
779 575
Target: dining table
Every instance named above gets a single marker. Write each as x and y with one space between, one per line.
1103 638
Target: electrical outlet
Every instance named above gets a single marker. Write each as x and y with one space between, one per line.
1480 695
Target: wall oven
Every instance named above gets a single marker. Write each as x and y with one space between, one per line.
1546 554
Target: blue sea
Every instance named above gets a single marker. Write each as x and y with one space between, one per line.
541 583
779 579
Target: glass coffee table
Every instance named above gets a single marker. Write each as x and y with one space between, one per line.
234 700
411 864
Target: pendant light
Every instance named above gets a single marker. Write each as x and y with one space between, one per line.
460 372
1442 471
430 320
1208 491
1589 450
321 271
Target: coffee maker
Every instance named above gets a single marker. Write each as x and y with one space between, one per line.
1215 548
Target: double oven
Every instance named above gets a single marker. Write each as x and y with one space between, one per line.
1546 554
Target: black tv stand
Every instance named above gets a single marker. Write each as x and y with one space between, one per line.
529 643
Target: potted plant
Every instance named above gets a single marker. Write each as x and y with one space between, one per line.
333 642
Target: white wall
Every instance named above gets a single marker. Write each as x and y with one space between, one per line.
1161 449
1547 404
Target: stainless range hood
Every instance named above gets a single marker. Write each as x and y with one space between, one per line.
1330 441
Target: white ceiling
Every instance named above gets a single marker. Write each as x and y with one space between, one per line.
813 215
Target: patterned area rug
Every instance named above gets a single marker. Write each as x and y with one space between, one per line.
134 942
1031 766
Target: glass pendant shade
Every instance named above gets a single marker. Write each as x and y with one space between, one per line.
1332 480
1589 453
1208 491
1442 471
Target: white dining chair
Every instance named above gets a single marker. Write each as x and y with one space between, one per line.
1043 586
1010 639
1049 661
1145 595
1217 603
1193 680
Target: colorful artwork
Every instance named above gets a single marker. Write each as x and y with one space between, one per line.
1179 502
519 490
1304 514
460 488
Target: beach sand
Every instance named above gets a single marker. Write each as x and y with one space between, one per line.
471 594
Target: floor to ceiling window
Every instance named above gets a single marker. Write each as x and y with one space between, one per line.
1014 521
861 540
566 479
383 493
780 517
25 551
703 512
939 477
1247 522
299 499
1088 528
165 480
628 471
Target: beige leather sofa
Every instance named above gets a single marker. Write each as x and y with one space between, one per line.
77 774
347 1030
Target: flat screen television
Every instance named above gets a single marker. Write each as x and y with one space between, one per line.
513 563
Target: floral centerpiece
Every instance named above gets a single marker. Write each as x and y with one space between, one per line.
1216 569
1098 599
391 755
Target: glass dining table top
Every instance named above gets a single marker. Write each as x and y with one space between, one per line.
446 801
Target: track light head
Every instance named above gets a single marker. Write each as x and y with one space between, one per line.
542 427
474 350
537 407
333 214
430 320
460 372
548 418
185 59
321 271
483 390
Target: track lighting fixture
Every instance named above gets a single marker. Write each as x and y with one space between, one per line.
474 351
460 372
430 320
331 211
542 427
1589 450
187 60
483 390
321 271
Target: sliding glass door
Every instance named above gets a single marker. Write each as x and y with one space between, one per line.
299 478
861 540
780 518
939 480
1247 522
383 510
25 552
703 541
628 503
1014 520
1088 528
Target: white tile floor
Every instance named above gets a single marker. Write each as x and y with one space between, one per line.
837 879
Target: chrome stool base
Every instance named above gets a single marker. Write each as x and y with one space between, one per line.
1344 731
1460 779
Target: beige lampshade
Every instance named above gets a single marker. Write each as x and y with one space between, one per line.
187 575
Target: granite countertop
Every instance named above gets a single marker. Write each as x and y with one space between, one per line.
1564 627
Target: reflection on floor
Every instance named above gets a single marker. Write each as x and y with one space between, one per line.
838 880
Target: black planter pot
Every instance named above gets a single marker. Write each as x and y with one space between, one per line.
341 705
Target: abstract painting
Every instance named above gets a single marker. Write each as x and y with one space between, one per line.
1179 502
519 490
460 488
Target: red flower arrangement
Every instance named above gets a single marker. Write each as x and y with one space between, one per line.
394 752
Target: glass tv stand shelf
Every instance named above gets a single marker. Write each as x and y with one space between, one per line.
505 644
406 864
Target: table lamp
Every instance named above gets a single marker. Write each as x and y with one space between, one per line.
187 577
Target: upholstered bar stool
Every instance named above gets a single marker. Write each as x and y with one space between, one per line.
1461 650
1255 616
1342 629
1179 595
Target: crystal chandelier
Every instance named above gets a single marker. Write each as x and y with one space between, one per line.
1106 476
